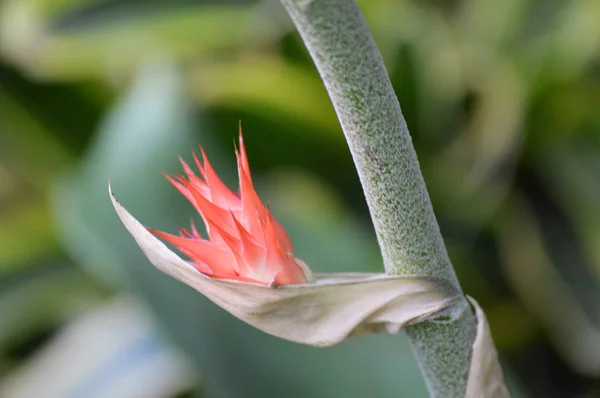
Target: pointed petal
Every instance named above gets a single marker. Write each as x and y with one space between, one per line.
276 256
280 264
187 169
239 267
219 193
214 257
252 207
243 158
180 187
215 215
184 233
199 164
186 189
283 237
194 181
253 254
195 233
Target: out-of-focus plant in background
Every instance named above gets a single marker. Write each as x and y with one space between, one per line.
502 102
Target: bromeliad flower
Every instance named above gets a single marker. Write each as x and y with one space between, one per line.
245 242
247 267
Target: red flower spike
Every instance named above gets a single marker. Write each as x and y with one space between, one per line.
245 242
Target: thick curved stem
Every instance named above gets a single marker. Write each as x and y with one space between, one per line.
352 70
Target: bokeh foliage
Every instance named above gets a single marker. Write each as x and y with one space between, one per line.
502 101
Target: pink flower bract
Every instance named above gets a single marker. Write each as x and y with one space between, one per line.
244 243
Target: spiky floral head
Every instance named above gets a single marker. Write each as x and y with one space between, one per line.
245 242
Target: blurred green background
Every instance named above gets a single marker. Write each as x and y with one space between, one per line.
503 103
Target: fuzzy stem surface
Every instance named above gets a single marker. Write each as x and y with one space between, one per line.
338 40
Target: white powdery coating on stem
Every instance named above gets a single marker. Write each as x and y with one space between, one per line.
352 70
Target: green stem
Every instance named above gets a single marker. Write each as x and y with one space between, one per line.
352 70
